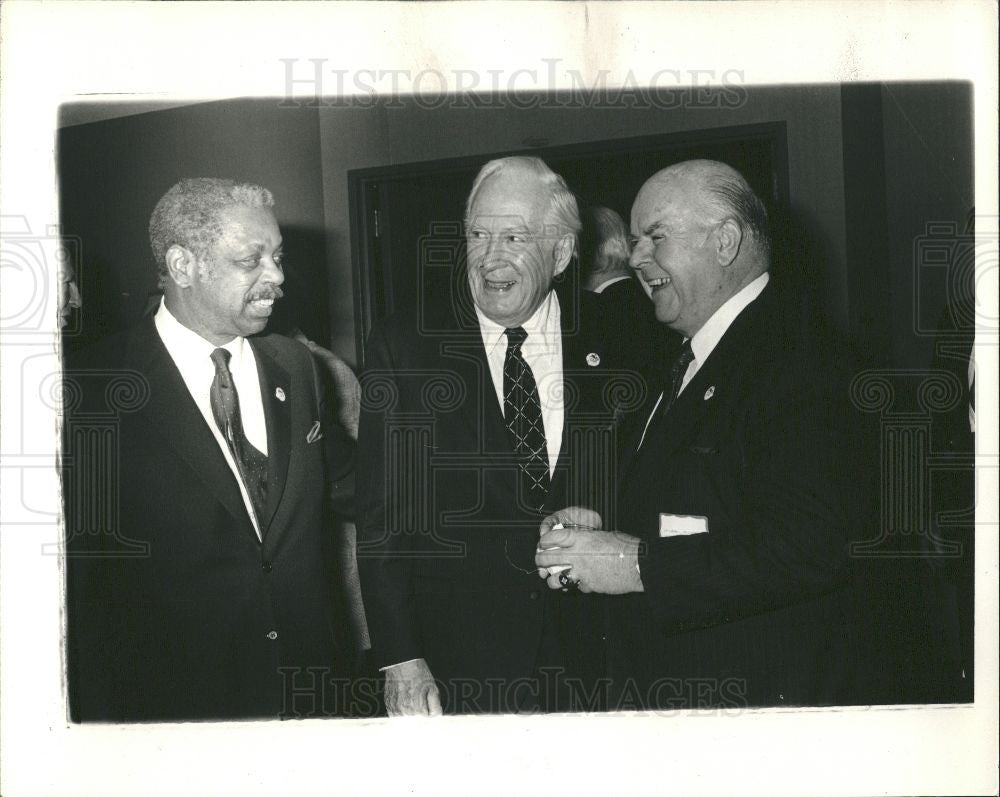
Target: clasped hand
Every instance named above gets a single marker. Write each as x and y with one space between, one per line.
599 561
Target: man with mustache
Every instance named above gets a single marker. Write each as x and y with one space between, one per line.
737 494
478 418
198 544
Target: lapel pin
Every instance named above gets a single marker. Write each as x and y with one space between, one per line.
593 359
279 394
710 392
315 433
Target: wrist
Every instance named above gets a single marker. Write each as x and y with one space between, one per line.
628 556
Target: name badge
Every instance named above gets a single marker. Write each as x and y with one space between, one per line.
682 525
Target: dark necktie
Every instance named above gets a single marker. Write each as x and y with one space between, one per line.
522 412
676 377
252 464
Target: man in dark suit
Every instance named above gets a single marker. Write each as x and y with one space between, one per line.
196 474
473 426
731 559
625 315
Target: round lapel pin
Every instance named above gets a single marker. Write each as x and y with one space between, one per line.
593 359
279 394
710 392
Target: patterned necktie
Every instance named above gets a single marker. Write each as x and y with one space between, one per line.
252 464
522 412
677 371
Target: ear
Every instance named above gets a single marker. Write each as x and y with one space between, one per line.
562 251
730 237
182 265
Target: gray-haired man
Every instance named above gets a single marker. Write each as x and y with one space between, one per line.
204 589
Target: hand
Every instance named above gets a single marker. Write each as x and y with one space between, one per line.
600 561
410 690
570 517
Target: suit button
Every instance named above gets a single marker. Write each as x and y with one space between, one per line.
267 567
535 594
272 635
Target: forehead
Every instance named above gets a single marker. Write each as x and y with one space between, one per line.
244 226
671 201
511 198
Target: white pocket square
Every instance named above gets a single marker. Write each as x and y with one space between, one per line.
681 525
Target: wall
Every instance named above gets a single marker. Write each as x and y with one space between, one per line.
113 172
929 193
360 138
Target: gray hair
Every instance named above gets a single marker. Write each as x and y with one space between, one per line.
188 215
729 192
562 213
604 244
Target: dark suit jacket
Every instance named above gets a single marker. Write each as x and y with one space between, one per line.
175 609
756 611
445 545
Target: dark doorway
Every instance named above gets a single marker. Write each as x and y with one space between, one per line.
407 237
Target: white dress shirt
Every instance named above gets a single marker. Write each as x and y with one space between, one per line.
192 355
707 338
542 350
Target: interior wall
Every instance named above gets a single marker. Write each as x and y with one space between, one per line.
929 193
409 131
112 173
350 138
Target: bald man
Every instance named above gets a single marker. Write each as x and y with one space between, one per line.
731 541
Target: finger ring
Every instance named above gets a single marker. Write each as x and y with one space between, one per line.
567 582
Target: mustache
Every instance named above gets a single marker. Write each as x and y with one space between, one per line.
268 293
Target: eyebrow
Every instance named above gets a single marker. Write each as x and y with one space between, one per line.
258 249
656 225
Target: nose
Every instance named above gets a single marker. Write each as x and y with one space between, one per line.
273 272
639 256
488 258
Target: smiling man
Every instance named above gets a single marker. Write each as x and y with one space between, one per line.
198 543
477 419
737 496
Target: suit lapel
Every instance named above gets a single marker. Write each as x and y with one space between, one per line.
276 393
465 354
175 416
573 359
718 375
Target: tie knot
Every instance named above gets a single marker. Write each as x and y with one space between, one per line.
221 359
515 336
686 354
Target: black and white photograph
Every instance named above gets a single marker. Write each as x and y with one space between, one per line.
555 414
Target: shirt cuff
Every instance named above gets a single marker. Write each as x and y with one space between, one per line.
397 664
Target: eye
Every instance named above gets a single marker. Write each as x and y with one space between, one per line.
516 238
477 234
278 258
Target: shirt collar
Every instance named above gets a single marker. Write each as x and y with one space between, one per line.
611 281
711 332
186 346
543 324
